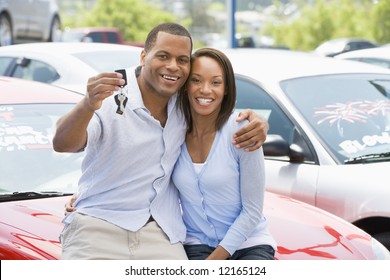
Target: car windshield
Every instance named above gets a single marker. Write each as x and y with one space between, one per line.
107 61
350 113
28 161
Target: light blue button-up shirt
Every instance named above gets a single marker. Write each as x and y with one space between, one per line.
223 203
128 164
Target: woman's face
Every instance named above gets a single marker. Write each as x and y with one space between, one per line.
206 86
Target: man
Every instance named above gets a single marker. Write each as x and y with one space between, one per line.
127 207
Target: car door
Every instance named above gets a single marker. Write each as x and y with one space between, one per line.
40 17
283 175
20 13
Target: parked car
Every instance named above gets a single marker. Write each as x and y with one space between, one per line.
28 21
329 137
376 56
68 65
342 45
35 183
111 35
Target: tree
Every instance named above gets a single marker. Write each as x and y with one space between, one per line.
134 18
324 20
381 21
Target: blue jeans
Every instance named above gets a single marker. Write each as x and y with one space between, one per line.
259 252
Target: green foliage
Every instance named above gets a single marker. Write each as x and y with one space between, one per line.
329 19
318 21
134 18
76 20
215 6
381 19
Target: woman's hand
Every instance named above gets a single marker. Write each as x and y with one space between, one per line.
69 205
219 254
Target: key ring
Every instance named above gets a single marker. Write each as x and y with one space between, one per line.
121 98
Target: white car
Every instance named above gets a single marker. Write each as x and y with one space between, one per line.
68 65
329 137
341 45
24 21
376 56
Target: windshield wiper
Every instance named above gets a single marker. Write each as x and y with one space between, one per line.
369 158
29 195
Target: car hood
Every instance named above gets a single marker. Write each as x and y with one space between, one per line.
306 232
30 229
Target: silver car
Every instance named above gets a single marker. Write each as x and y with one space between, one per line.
29 21
329 137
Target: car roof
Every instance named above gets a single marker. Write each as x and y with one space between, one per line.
66 47
381 52
92 28
20 91
276 65
348 39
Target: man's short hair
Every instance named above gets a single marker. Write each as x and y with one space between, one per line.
167 27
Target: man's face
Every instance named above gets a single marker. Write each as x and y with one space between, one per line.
166 66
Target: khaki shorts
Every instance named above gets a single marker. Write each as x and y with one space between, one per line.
89 238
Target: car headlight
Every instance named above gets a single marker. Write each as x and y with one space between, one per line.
380 251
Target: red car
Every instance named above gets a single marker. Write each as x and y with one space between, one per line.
35 183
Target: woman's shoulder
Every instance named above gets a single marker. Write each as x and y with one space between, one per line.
233 123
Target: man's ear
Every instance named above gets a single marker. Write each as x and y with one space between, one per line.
142 57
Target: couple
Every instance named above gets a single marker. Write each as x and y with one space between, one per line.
128 200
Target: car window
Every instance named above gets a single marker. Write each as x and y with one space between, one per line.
251 96
26 153
112 37
35 70
96 36
350 113
379 62
4 64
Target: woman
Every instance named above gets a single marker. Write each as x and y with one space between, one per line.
221 187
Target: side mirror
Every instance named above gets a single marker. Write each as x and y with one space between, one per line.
276 146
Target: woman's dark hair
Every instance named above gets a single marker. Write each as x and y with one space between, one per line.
167 27
229 100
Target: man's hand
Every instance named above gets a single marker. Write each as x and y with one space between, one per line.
100 87
253 134
69 205
71 132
